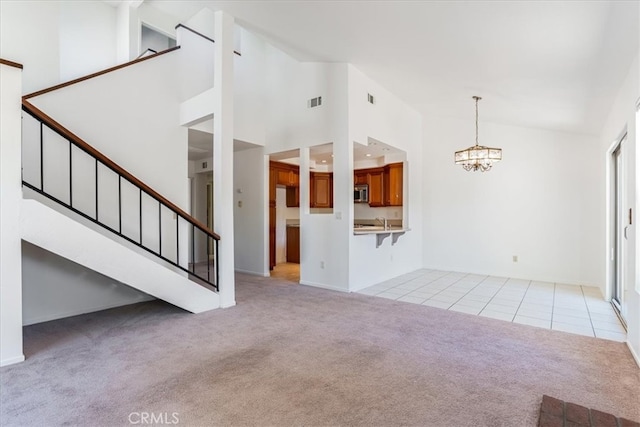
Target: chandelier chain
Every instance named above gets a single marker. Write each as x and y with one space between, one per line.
477 98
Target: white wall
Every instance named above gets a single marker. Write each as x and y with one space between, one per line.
10 198
623 117
63 235
393 122
147 118
289 85
542 203
223 145
87 44
57 41
324 237
249 101
54 287
154 40
291 125
249 220
364 211
331 256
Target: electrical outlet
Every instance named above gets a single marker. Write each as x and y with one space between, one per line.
239 203
321 264
515 258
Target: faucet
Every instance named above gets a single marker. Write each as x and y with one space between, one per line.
383 220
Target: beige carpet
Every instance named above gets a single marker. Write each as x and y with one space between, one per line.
294 355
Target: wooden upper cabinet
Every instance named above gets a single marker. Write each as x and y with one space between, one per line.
393 184
285 174
272 185
385 184
359 177
321 190
375 179
293 197
287 177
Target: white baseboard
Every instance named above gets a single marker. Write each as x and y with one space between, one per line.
252 273
12 360
85 310
323 286
634 354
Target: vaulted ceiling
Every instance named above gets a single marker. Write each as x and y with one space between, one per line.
544 64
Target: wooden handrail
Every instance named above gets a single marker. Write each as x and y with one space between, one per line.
202 35
64 132
10 63
153 51
99 73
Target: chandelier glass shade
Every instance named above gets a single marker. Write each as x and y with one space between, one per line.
478 157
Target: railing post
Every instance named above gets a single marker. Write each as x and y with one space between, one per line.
140 212
96 189
215 266
41 157
193 248
120 203
178 239
70 174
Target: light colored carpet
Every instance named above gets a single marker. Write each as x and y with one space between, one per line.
295 355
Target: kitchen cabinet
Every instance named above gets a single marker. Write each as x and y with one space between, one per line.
293 197
287 177
321 190
375 179
293 244
393 184
272 184
359 177
272 217
385 184
285 174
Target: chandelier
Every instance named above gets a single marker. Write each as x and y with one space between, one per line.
478 157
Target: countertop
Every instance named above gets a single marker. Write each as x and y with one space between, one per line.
370 229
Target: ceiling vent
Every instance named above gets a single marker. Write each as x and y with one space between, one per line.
314 102
371 99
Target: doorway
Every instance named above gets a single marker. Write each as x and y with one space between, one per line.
284 215
622 219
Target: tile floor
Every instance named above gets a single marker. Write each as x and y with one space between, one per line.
569 308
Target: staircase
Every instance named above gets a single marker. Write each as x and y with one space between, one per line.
110 208
81 205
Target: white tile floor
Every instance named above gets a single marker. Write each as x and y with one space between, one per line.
569 308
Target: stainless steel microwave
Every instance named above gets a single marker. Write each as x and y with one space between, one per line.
361 193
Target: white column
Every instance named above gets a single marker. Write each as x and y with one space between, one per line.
128 30
223 155
10 201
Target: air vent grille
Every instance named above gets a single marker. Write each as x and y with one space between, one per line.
314 102
371 99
